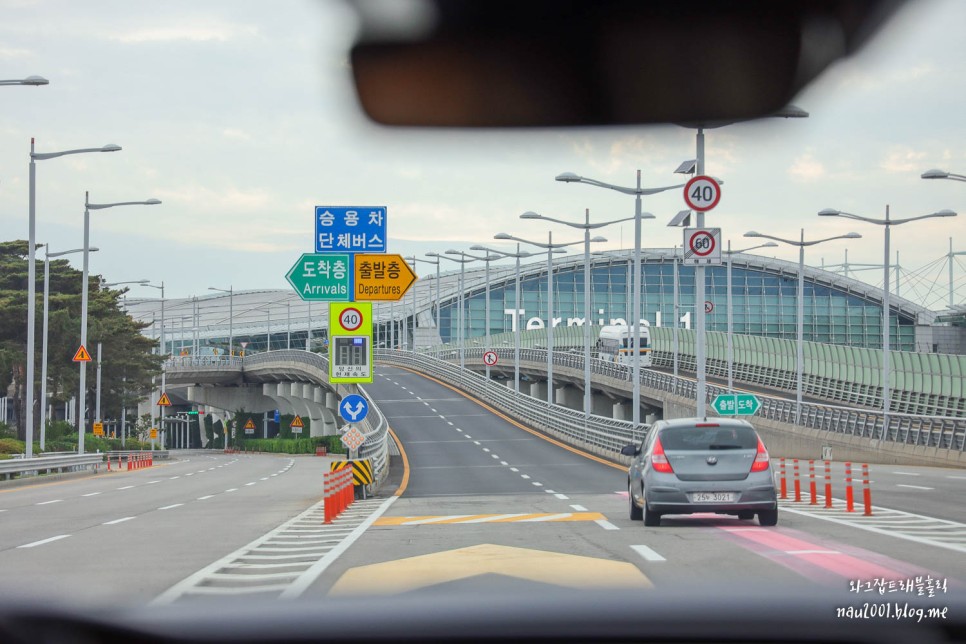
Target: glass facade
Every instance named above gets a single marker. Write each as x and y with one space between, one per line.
763 300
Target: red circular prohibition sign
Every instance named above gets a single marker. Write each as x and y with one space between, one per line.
696 244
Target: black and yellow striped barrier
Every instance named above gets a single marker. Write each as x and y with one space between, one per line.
361 470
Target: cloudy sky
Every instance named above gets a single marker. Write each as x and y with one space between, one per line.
240 117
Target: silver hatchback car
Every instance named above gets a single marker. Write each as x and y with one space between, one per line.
692 465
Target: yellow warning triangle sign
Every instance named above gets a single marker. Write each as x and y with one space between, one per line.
297 422
164 401
249 424
82 355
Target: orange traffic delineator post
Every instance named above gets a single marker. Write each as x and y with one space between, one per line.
828 484
797 483
337 492
108 462
849 498
866 491
130 463
813 496
784 484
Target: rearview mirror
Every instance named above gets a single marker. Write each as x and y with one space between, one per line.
630 450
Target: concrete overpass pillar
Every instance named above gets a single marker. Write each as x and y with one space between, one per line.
538 389
601 405
569 396
622 411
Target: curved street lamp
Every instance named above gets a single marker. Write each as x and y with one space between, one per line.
887 223
800 301
586 227
550 246
638 192
731 352
30 80
32 276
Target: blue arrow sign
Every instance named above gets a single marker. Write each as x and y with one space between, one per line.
353 408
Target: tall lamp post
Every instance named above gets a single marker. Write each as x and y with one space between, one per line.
88 206
431 298
97 399
32 276
462 262
43 352
162 353
800 301
586 227
486 304
551 247
231 317
731 351
887 224
638 192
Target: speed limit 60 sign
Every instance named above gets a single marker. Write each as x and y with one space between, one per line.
702 193
702 246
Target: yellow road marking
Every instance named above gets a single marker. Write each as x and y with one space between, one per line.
540 517
405 459
571 571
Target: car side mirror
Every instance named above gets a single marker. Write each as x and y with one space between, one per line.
630 450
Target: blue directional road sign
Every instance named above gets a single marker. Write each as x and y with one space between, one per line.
353 408
350 229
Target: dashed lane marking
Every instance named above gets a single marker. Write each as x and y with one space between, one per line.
490 518
43 541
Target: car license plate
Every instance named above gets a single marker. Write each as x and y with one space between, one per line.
712 497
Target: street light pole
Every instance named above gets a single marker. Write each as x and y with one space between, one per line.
586 227
32 275
515 325
43 360
638 192
551 248
85 287
887 223
30 80
231 316
731 352
486 304
462 262
801 244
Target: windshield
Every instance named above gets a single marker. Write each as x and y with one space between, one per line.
263 348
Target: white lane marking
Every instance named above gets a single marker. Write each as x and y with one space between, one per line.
263 478
207 496
126 487
116 521
174 477
538 484
49 502
504 463
458 429
475 442
153 482
189 473
550 491
275 474
579 508
959 478
606 525
252 483
232 489
647 553
485 449
173 505
448 422
91 494
907 473
513 469
915 487
43 541
562 497
525 476
467 435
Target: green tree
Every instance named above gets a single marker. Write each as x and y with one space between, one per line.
128 365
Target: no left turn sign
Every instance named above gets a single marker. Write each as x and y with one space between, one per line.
702 193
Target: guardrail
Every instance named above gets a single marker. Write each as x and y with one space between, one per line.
942 432
374 427
600 434
47 464
160 454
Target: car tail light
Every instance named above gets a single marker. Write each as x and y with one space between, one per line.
658 460
761 458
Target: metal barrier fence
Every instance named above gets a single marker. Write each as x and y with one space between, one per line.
9 468
942 432
374 427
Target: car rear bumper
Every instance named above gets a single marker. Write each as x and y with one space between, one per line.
677 501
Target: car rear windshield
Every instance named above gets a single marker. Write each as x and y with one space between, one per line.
708 438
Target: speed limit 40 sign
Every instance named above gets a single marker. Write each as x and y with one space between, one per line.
702 193
702 246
